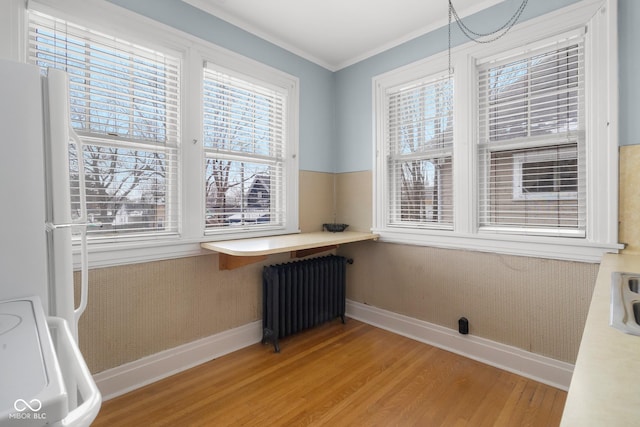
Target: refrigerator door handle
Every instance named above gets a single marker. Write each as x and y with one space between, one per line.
74 367
81 223
84 272
82 228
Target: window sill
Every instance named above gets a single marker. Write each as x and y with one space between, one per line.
114 253
560 248
300 244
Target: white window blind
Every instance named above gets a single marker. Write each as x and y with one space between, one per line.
125 104
244 124
532 142
419 128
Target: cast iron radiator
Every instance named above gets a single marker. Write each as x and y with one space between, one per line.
302 294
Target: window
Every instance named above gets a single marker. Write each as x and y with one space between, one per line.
124 105
245 151
521 158
419 131
532 141
184 141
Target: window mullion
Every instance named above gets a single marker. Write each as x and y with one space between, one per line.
464 169
192 149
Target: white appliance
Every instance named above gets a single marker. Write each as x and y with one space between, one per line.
44 379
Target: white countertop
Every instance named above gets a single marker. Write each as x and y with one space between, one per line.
605 387
285 243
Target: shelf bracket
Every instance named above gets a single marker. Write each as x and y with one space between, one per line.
299 253
230 262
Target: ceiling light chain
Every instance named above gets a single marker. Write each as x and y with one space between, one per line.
476 37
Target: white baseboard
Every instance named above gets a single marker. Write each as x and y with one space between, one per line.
539 368
130 376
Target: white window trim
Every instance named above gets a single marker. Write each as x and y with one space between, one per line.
602 126
427 155
263 73
109 18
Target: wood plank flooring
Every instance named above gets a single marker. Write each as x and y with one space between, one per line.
339 375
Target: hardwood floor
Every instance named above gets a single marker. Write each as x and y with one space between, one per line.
339 375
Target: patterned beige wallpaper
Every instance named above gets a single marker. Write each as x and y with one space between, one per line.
140 309
629 198
535 304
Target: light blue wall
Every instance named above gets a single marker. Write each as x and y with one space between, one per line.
317 115
336 108
354 84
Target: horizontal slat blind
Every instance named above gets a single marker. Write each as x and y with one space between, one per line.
419 126
244 138
124 102
116 87
531 142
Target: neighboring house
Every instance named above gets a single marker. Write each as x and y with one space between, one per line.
258 202
143 215
259 194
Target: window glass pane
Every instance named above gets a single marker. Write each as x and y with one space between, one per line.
534 187
244 144
126 189
124 105
535 96
239 193
420 135
531 150
116 88
424 191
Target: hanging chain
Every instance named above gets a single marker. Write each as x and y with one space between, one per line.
472 35
450 9
502 30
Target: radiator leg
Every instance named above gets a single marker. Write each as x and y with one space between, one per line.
342 317
269 335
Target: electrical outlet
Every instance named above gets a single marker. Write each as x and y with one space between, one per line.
463 325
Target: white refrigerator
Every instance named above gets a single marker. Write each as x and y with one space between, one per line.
44 379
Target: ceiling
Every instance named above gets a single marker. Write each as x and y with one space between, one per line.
337 33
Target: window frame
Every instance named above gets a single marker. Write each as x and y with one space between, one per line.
502 213
111 19
427 154
168 149
601 162
262 74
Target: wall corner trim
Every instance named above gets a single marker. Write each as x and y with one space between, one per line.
512 359
130 376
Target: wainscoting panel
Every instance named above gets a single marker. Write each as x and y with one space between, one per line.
537 305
